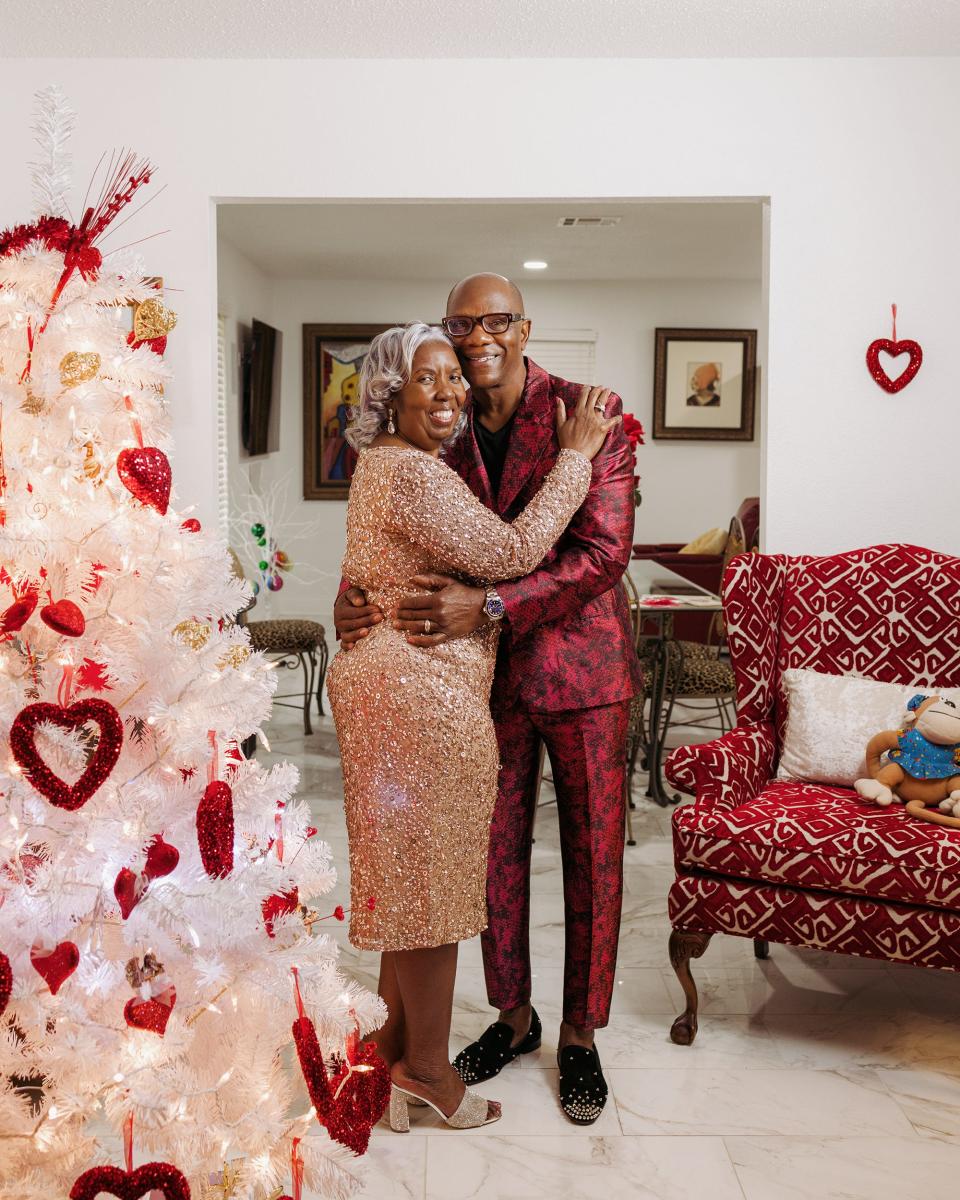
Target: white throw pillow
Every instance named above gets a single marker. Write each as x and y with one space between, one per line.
830 719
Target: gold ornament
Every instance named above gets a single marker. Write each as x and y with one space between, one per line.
32 405
192 633
78 366
91 464
225 1188
152 319
235 657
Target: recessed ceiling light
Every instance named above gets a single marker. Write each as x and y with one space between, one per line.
535 264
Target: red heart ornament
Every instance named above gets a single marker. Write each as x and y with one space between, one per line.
18 614
894 349
131 1185
152 1014
190 525
60 794
128 889
145 472
364 1093
162 858
157 344
64 618
57 965
280 904
215 829
6 982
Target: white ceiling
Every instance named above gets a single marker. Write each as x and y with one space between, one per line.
479 28
434 241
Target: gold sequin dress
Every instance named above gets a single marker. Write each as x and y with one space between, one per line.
416 737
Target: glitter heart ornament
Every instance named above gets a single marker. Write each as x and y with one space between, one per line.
145 472
55 966
22 744
894 349
280 904
78 367
354 1100
152 319
215 829
132 1185
129 888
63 617
152 1014
162 858
18 614
6 982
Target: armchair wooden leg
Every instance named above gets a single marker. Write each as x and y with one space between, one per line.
685 945
761 948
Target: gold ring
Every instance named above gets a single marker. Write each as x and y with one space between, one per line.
426 625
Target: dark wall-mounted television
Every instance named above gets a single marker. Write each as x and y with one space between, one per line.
257 393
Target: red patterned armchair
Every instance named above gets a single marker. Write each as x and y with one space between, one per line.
801 863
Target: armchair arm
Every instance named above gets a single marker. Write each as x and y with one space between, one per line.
728 771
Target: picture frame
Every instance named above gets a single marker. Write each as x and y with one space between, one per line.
332 357
704 384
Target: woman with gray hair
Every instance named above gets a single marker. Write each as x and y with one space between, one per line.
416 736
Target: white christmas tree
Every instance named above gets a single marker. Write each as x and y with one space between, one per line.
154 883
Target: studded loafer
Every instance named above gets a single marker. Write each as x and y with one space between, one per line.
486 1057
583 1089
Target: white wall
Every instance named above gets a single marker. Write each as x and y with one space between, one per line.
854 154
687 487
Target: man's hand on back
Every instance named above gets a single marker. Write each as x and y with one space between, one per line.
354 617
452 608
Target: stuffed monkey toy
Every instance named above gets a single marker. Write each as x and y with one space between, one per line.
922 765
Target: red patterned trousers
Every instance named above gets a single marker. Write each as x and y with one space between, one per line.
587 750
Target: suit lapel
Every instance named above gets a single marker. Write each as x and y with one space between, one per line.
465 458
530 437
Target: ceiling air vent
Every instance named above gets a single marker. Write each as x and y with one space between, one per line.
588 222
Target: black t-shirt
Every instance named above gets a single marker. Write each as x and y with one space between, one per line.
493 450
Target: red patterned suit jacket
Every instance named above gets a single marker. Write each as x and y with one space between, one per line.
567 641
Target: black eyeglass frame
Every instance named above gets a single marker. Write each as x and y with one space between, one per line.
512 319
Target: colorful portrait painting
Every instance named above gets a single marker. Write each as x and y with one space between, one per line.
332 358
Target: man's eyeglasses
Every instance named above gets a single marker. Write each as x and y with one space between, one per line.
459 327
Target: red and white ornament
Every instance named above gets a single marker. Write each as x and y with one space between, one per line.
153 1013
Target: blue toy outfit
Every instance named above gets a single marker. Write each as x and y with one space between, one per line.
922 759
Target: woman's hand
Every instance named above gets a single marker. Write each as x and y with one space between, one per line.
585 428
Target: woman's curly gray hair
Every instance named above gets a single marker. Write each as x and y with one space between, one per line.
386 370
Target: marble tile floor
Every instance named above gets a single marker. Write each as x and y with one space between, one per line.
813 1075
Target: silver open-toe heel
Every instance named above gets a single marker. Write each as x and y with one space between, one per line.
472 1111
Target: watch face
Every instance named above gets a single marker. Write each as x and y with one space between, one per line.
494 608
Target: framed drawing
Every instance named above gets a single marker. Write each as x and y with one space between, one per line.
332 358
704 384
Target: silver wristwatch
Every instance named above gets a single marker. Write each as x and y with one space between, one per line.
493 605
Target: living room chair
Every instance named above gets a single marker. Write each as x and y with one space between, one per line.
807 864
291 643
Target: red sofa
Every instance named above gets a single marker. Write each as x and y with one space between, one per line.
803 863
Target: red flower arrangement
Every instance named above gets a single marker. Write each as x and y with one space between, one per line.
634 431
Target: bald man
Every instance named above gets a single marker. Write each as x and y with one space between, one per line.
566 672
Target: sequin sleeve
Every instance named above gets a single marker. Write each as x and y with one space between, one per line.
431 505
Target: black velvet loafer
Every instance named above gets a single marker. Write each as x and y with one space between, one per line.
583 1089
486 1057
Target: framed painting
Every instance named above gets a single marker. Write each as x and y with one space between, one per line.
704 384
332 358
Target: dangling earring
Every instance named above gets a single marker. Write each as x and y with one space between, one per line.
391 428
